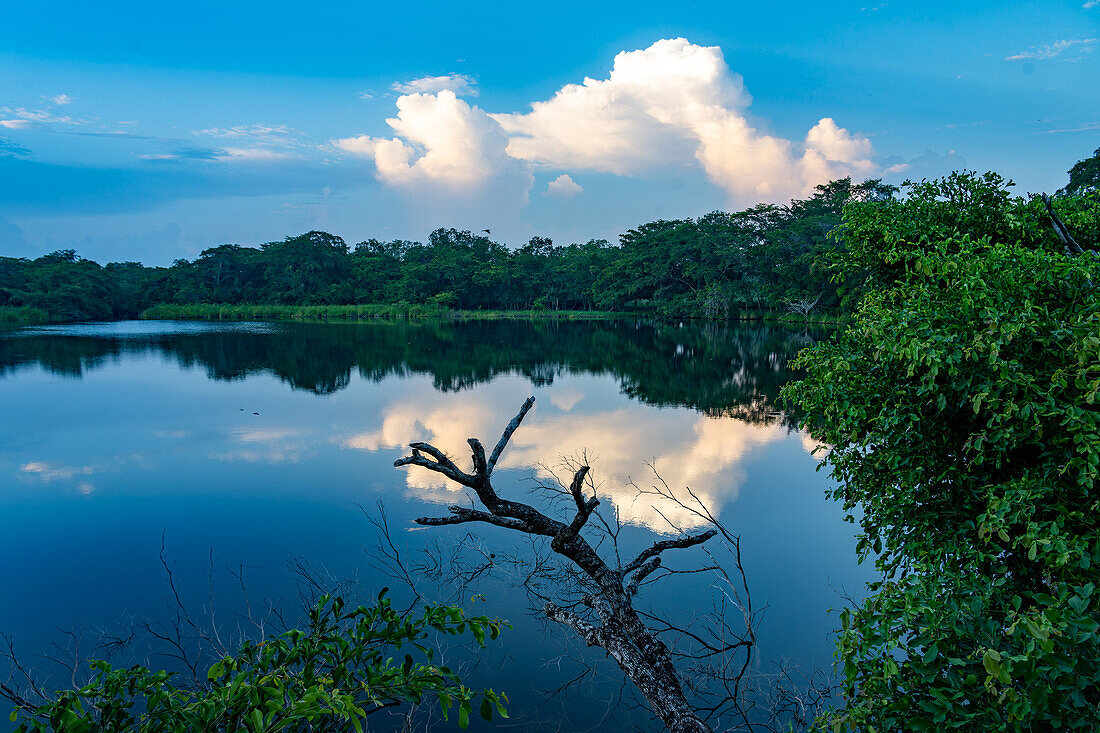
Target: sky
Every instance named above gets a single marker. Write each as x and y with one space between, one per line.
152 131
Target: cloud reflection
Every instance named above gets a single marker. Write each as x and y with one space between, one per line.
687 448
48 472
266 445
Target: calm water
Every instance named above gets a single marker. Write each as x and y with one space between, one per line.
116 437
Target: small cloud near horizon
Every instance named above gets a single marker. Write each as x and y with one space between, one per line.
564 187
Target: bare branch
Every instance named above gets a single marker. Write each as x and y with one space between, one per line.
644 571
442 464
590 633
584 508
462 515
480 467
657 548
507 435
577 486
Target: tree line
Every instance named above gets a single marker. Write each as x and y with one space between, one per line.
759 259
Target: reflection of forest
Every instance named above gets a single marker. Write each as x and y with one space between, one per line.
734 370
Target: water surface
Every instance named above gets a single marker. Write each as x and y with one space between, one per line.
256 443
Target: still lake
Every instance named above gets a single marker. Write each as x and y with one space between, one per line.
248 445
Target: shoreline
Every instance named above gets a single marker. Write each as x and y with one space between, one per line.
21 317
276 312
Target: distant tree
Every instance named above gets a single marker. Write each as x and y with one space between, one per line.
61 284
1084 176
310 268
60 255
376 271
136 287
760 259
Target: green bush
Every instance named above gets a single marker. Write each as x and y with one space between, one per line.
962 409
11 315
342 668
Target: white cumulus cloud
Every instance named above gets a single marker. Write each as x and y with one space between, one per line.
441 140
564 186
668 104
673 104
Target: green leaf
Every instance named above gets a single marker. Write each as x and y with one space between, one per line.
464 714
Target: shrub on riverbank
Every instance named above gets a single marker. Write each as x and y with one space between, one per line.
405 311
276 312
963 411
22 316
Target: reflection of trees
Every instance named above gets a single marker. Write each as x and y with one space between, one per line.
64 355
733 370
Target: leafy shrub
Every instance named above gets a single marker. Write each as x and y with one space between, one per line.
330 676
963 410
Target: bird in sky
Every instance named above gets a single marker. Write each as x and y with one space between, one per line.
486 231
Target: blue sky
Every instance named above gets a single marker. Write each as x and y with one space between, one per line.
151 131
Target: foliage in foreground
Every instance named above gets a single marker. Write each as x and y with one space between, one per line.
342 668
963 407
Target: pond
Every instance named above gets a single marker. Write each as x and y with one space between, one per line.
235 451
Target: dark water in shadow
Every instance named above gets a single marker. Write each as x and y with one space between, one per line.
115 436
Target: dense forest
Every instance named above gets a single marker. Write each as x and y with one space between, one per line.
756 260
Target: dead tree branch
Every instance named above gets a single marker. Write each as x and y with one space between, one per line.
1061 230
601 610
